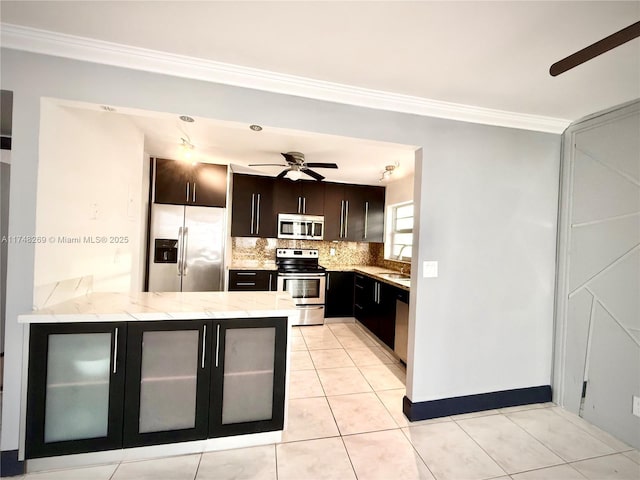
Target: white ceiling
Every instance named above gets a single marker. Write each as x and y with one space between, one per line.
215 141
490 55
486 54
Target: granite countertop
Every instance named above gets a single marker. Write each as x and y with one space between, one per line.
145 306
378 273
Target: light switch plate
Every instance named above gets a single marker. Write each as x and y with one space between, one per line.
636 406
430 269
332 251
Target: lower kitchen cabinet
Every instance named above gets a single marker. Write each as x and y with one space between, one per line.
339 294
375 307
75 388
252 280
185 380
248 380
167 386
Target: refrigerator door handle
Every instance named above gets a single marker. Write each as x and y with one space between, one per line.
180 244
185 241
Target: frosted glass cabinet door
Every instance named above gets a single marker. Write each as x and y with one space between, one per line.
249 376
75 388
167 382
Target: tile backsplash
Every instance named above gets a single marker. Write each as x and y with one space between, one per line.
346 253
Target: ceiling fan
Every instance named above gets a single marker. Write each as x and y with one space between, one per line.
612 41
297 166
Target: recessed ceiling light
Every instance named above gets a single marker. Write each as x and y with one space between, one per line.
186 118
255 128
107 108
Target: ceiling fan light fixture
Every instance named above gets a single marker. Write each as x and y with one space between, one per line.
294 174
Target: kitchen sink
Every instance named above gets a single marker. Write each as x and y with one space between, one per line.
396 276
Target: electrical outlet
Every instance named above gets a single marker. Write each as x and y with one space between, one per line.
430 269
636 406
332 251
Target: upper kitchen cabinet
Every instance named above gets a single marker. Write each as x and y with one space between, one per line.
181 183
303 197
252 212
354 213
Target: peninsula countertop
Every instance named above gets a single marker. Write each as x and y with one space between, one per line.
146 306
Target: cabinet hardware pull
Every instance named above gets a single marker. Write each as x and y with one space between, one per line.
341 218
253 210
270 278
304 204
246 284
299 204
204 343
115 351
187 191
217 344
246 274
194 192
258 216
346 219
366 218
328 281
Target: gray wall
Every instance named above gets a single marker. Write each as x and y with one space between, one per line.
598 301
487 200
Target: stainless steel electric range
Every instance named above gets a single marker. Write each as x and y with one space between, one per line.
301 276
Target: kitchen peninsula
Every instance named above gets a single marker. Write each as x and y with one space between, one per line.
172 372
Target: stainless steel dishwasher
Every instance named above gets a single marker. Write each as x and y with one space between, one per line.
402 325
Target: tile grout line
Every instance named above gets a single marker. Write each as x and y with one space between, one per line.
198 467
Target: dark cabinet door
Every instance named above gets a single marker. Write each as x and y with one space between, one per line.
287 196
365 293
301 197
75 388
313 198
167 388
172 181
333 211
252 208
182 183
339 297
365 213
373 228
354 217
209 185
248 376
252 280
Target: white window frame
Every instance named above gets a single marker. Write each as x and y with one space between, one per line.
391 231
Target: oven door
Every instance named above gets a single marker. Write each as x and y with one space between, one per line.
305 289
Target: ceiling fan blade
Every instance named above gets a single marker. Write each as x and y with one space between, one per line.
266 165
595 49
321 165
313 174
283 173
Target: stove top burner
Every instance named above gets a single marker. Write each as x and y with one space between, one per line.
298 260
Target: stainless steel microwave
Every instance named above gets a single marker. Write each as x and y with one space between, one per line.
300 227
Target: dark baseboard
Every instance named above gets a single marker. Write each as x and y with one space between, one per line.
475 403
10 465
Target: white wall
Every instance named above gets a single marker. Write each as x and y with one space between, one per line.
487 204
398 191
487 200
90 184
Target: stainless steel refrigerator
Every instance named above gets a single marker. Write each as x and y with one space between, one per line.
186 252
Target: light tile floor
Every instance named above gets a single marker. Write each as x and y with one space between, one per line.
346 422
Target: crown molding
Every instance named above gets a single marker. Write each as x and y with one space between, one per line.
97 51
